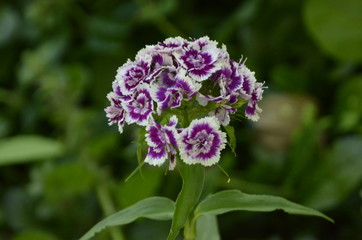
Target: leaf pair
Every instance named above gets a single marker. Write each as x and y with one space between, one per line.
160 208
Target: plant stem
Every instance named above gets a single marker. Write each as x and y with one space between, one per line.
192 185
190 228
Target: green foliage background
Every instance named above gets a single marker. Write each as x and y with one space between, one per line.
62 168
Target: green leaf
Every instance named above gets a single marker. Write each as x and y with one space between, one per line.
232 140
193 183
21 149
207 228
234 200
156 208
336 26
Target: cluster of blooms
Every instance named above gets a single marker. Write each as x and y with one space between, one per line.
178 74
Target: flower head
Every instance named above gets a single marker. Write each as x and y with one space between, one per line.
192 80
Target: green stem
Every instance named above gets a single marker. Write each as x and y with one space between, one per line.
108 208
190 228
192 185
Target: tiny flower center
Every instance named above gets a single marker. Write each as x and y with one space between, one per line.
141 104
197 60
202 142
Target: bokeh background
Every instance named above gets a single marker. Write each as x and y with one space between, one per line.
62 168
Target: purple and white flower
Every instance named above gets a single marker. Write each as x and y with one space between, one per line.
225 83
252 110
166 98
200 58
186 85
223 114
132 74
171 45
115 113
167 78
224 89
248 83
170 93
162 142
228 78
252 91
202 142
140 108
234 81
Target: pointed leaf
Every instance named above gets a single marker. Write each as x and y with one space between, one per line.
157 208
234 200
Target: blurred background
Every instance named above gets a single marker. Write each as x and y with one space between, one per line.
62 168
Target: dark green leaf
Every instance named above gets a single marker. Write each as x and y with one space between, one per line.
157 208
234 200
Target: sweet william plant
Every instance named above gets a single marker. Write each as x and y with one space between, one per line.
181 92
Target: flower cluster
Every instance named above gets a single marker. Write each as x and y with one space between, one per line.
178 80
